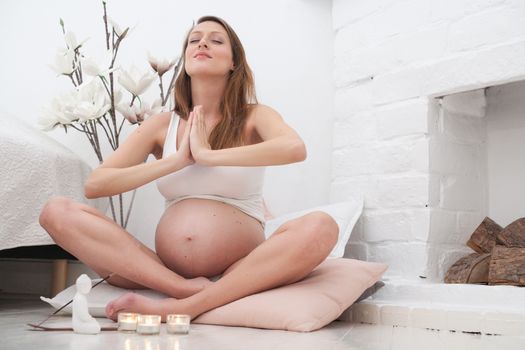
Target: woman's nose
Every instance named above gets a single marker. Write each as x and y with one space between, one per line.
202 43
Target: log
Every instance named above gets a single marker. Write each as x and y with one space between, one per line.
473 268
484 237
513 235
507 266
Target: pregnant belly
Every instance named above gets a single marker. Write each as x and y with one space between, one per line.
201 237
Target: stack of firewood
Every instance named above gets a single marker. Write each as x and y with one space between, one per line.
499 256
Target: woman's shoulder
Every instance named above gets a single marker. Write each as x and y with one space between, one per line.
258 110
156 123
258 117
156 127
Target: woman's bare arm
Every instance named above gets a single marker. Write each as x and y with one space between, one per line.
280 145
125 169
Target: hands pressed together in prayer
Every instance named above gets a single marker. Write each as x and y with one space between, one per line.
194 146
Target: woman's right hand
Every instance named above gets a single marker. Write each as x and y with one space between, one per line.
184 151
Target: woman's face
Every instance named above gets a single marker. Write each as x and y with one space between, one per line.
209 51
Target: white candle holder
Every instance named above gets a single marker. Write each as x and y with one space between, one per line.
148 324
127 322
178 324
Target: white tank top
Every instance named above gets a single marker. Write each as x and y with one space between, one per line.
238 186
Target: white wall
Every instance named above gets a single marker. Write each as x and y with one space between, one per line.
391 59
506 152
288 44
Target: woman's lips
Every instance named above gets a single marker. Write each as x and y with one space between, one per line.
202 55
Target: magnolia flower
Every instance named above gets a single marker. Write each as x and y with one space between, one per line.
134 81
47 122
94 68
51 115
64 62
71 41
92 101
134 114
59 111
160 66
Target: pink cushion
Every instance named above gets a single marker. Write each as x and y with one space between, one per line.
304 306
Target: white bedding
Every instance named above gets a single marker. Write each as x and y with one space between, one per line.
34 168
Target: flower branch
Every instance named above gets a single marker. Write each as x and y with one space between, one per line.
95 106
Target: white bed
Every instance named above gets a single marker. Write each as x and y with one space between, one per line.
33 168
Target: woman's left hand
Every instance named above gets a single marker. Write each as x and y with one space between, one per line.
200 147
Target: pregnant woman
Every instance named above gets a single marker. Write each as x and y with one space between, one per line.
211 154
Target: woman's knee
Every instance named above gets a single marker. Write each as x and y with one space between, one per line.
54 213
319 230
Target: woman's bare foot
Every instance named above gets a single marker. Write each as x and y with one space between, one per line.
133 302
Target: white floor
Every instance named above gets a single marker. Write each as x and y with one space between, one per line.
14 334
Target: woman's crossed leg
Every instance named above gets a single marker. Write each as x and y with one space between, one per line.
290 254
105 247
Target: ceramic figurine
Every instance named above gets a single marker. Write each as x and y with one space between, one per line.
83 322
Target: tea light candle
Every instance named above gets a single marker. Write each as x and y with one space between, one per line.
178 324
127 321
148 324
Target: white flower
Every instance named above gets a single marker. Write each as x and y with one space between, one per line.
89 101
134 81
94 68
71 41
92 101
64 62
59 111
46 124
134 114
159 65
49 118
127 112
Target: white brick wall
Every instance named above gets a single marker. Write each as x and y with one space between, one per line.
418 160
491 26
402 119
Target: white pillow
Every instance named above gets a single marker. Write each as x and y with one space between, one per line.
345 214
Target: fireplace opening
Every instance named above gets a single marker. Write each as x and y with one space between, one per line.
477 167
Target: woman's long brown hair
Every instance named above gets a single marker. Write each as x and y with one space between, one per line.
238 95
